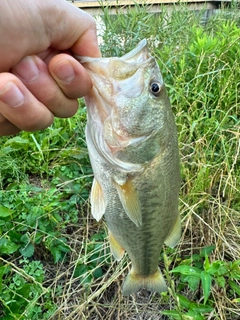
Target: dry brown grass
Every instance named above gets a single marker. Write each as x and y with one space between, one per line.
218 224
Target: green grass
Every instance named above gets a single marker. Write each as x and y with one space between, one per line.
55 261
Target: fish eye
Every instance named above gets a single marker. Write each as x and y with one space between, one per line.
155 88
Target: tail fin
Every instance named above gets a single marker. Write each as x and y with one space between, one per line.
134 282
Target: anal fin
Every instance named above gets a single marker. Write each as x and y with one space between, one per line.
116 249
175 234
130 201
97 200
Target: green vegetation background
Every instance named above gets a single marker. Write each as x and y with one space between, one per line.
54 258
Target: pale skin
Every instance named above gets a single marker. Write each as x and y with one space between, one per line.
39 77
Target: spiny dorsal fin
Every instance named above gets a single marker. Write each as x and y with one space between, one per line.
116 249
175 234
130 201
97 200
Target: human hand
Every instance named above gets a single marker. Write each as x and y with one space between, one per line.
39 78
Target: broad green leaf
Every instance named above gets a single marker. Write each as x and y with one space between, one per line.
5 212
28 250
207 251
234 286
184 302
24 291
7 246
236 264
63 247
194 315
172 313
187 270
25 238
86 280
206 280
191 305
2 270
17 143
80 270
57 254
97 273
193 282
221 281
215 267
38 237
14 316
201 308
235 269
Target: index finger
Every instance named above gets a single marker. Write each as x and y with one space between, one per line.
76 31
87 45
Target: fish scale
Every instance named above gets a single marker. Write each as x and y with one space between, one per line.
132 141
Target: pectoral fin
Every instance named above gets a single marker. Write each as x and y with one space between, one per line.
175 234
116 249
97 200
130 201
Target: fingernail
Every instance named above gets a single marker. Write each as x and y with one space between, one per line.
64 72
27 69
11 95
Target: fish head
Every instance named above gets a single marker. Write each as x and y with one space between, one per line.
128 100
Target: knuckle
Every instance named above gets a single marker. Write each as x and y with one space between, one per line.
37 120
6 127
60 105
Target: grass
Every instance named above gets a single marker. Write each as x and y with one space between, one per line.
55 261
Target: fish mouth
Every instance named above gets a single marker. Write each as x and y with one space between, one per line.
114 76
117 68
138 54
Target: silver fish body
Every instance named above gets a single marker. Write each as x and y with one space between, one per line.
132 141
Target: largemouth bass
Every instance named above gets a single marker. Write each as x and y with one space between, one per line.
132 141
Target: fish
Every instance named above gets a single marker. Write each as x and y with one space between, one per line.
132 142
